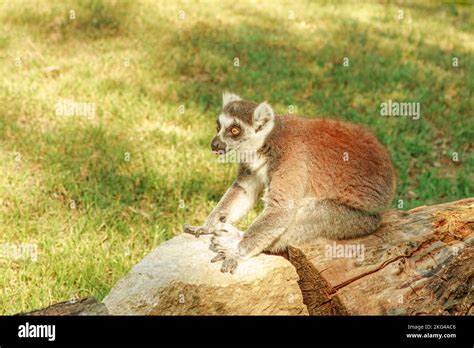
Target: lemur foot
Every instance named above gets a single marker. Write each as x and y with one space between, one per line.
197 230
230 262
226 244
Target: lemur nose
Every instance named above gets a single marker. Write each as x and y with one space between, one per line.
217 145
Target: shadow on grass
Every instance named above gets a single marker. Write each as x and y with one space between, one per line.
278 65
73 19
275 66
106 175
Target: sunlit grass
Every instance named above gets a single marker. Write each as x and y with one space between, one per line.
97 194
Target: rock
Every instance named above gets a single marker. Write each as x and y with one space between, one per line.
177 278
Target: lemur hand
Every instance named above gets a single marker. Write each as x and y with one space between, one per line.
226 244
198 230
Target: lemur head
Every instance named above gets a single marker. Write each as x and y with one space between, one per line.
241 125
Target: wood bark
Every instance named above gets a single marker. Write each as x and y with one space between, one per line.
84 306
417 262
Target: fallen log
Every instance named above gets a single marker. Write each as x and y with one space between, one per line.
83 306
418 262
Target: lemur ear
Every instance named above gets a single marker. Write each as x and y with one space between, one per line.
228 97
263 114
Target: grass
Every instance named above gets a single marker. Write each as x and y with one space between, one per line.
97 194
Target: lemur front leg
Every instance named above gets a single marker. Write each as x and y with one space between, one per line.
235 203
234 246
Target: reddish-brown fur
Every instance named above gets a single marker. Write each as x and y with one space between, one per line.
365 181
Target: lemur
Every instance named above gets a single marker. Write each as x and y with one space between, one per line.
320 178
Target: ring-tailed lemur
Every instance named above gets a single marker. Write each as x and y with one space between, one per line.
319 177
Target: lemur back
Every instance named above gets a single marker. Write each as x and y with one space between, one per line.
345 162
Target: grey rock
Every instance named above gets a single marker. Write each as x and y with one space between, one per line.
177 278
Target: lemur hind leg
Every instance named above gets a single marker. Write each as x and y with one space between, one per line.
328 219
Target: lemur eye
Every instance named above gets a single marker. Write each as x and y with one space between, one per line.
235 130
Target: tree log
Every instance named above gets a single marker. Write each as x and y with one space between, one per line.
417 262
83 306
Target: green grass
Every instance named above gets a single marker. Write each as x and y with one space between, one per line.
66 184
